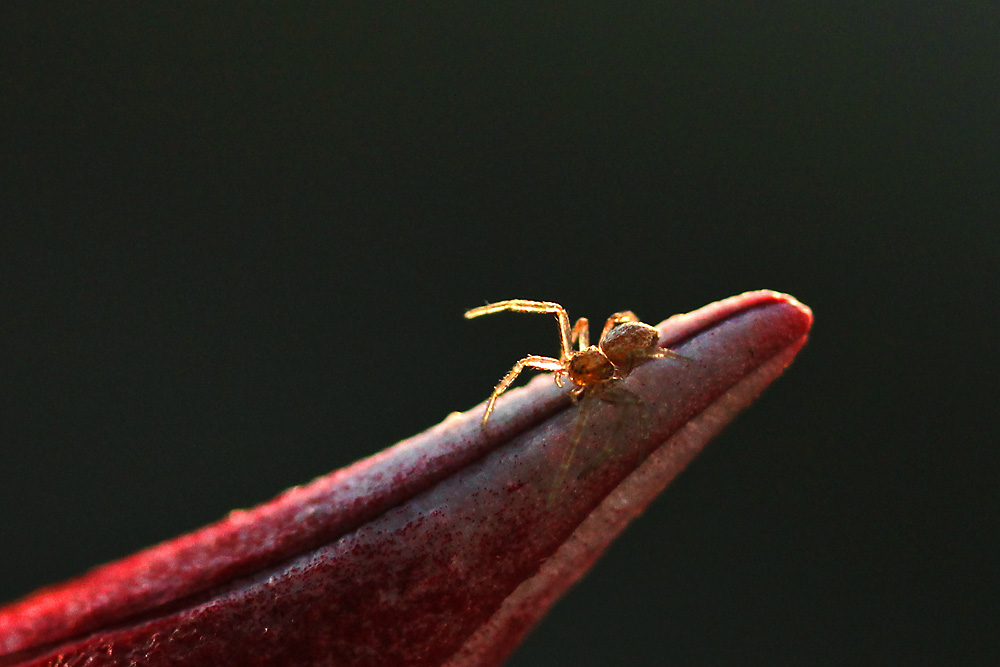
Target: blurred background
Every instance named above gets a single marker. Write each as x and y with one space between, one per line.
236 243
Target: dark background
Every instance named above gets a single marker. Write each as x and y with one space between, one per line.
237 242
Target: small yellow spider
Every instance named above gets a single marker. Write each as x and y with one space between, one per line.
625 343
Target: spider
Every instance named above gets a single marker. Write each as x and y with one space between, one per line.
625 343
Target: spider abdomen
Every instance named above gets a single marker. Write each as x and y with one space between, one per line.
629 343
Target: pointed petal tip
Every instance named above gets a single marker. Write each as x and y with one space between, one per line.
445 548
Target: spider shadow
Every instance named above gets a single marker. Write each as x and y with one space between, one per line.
631 423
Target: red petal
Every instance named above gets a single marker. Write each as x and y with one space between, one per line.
444 549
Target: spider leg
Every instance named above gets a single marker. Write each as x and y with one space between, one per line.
581 334
616 319
526 306
641 356
541 363
661 352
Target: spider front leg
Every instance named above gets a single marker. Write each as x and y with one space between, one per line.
580 334
534 361
526 306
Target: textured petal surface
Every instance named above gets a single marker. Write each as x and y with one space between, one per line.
444 549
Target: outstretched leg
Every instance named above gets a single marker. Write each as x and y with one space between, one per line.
541 363
580 334
526 306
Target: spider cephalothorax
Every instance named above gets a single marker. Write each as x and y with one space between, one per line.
624 344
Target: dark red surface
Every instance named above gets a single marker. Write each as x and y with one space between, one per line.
445 548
